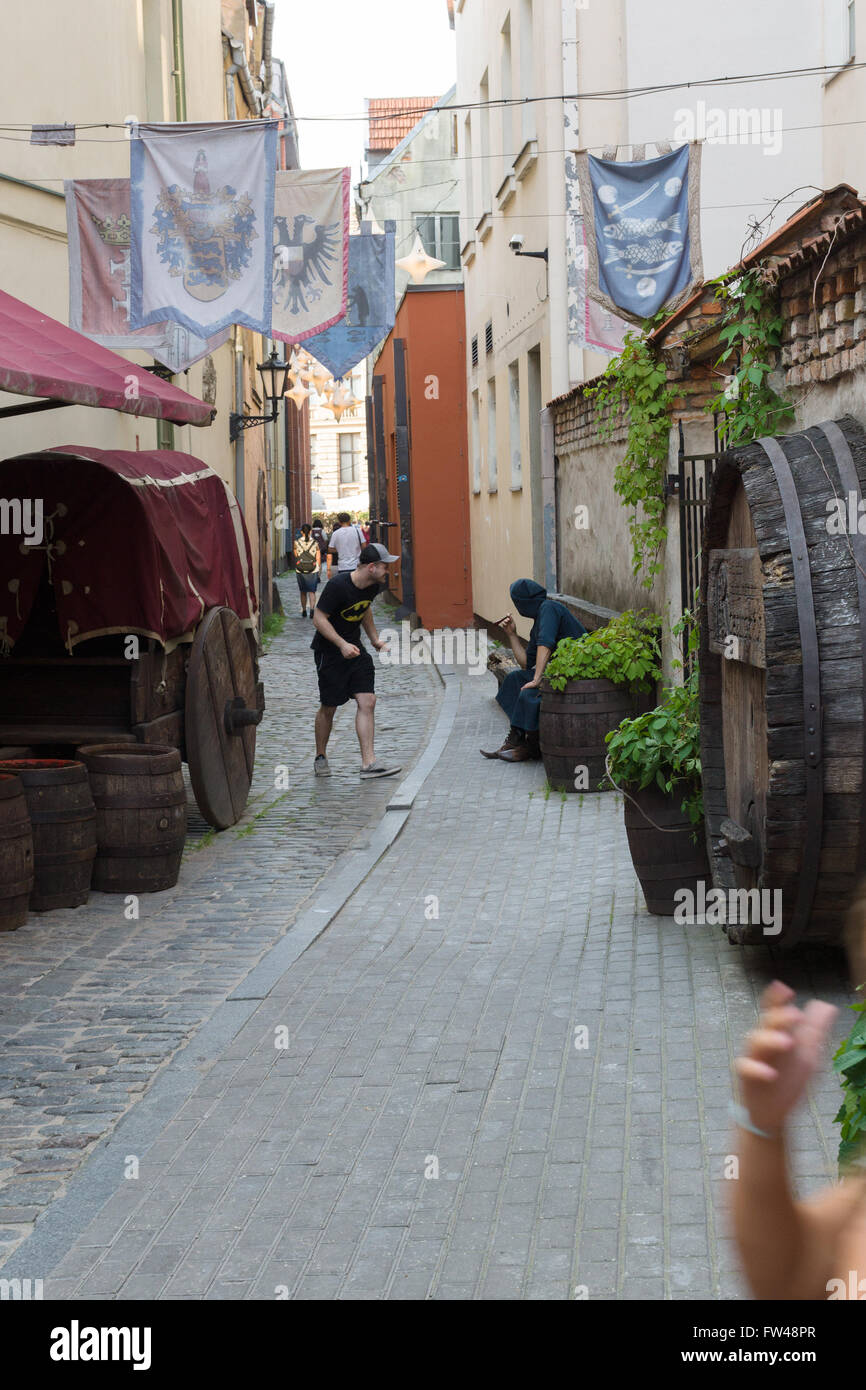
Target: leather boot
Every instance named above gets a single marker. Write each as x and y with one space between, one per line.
521 754
514 740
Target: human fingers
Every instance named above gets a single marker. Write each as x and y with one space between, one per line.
748 1069
784 1018
776 994
765 1044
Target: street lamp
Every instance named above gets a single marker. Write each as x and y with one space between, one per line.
275 377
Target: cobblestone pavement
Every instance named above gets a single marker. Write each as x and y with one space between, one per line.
92 1006
431 1130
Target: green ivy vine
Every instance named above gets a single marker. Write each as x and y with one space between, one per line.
635 384
752 333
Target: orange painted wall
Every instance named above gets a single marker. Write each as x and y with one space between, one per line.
432 323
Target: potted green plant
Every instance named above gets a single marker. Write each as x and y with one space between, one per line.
589 685
655 760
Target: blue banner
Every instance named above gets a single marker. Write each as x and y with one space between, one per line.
370 309
643 236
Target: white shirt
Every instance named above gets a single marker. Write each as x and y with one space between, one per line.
348 543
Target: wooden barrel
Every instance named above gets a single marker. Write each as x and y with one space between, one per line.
140 815
666 860
572 725
783 679
16 853
64 829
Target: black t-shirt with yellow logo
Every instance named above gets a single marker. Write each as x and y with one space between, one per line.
344 605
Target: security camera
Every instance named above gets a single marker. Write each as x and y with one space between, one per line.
516 242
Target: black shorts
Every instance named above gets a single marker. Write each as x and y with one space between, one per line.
342 678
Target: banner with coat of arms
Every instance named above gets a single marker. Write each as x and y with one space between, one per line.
98 226
370 304
202 219
310 251
642 225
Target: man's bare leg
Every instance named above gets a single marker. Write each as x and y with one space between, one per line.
364 726
324 723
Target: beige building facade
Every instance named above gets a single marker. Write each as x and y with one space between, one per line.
153 60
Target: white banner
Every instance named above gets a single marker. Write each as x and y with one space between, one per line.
311 251
202 214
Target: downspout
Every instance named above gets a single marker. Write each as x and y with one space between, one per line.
231 106
179 73
239 407
267 46
242 68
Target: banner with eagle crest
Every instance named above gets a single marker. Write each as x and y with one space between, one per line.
202 212
311 251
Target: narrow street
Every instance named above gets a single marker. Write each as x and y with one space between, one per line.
224 1101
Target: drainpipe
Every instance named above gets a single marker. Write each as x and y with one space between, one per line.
267 45
242 68
548 500
231 106
179 72
239 407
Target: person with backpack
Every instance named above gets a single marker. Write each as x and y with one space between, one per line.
320 536
308 566
346 544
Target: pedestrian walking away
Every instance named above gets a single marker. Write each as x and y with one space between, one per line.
344 666
308 567
320 536
346 544
520 695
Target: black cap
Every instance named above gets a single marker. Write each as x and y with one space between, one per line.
375 554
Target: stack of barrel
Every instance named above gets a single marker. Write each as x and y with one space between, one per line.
113 819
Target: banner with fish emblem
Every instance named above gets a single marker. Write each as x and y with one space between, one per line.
643 231
202 213
590 324
311 251
98 226
370 304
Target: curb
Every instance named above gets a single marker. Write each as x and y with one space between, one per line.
96 1181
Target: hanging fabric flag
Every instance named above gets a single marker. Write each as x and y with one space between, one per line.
590 323
310 251
643 236
370 310
98 233
202 210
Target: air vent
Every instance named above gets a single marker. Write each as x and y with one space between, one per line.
475 351
488 337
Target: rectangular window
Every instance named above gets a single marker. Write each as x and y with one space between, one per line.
476 445
468 179
508 150
514 424
851 31
350 458
440 233
492 469
527 71
484 162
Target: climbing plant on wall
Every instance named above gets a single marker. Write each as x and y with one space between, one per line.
751 333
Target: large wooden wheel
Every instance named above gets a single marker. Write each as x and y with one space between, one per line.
221 718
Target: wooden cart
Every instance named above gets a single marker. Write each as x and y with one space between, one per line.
197 690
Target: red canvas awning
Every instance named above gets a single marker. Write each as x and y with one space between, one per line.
41 357
132 542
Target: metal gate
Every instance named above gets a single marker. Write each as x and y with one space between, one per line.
691 484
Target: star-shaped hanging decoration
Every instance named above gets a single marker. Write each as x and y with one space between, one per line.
418 264
298 394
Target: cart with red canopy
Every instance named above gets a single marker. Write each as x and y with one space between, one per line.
128 613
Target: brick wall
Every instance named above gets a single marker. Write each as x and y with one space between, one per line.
824 312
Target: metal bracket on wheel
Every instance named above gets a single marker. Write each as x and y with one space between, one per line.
238 717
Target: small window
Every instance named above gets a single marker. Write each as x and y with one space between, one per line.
440 233
488 337
350 458
475 350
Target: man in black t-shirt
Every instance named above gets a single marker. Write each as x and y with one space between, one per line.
345 667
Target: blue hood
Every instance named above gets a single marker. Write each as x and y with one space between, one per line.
527 597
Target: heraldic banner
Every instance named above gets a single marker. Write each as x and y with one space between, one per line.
202 213
642 225
311 251
98 227
370 307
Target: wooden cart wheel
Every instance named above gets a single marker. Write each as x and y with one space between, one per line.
221 718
